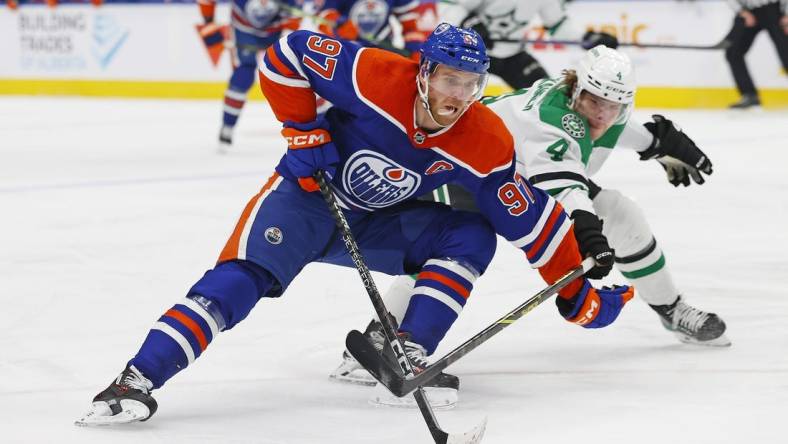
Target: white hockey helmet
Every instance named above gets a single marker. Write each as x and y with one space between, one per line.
606 73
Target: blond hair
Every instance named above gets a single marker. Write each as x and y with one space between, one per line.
570 81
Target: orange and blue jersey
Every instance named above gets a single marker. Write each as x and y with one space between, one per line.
370 18
386 159
261 18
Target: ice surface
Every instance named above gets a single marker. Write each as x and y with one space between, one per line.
111 209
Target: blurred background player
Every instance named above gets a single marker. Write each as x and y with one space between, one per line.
509 20
564 130
254 26
752 17
386 140
369 22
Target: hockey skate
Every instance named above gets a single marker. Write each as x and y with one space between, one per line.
441 392
747 101
126 400
225 139
350 371
691 325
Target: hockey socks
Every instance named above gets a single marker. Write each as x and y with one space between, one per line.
223 297
179 337
442 288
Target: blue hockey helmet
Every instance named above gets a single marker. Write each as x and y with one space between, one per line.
458 48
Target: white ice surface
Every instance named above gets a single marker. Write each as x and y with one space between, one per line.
110 210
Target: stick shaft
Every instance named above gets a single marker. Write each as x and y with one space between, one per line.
496 327
389 328
721 45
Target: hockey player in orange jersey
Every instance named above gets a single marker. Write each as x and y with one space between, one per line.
397 129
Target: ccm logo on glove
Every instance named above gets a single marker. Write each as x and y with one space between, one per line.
298 139
589 315
595 308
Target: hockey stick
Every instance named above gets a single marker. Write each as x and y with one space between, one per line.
474 436
383 371
723 44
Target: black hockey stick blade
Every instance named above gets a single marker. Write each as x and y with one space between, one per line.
388 375
382 370
373 361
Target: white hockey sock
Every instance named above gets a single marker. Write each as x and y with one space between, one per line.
398 296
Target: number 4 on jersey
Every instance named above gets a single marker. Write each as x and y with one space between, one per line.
557 150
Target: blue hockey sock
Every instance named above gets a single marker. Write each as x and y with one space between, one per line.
222 298
442 288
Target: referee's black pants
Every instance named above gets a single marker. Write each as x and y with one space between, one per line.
741 38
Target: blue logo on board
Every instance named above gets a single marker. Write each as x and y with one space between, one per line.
108 37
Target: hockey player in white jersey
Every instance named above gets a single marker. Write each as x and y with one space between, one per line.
564 130
497 20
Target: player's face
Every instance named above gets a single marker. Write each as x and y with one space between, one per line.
450 92
601 113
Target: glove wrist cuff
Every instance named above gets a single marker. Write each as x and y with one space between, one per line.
298 139
653 151
572 309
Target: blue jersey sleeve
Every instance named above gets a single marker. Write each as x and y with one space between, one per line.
524 215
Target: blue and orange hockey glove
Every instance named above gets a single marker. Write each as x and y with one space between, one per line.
595 308
309 149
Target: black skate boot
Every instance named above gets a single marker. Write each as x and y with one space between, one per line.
691 325
350 371
126 400
444 386
746 101
442 391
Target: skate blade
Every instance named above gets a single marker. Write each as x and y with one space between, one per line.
351 372
721 341
439 398
353 379
100 414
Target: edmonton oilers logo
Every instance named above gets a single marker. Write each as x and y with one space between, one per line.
377 181
443 27
261 12
273 235
370 16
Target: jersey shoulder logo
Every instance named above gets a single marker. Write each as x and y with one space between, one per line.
378 181
438 166
573 125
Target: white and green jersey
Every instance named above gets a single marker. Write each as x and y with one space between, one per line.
553 143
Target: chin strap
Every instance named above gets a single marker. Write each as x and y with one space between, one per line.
424 98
